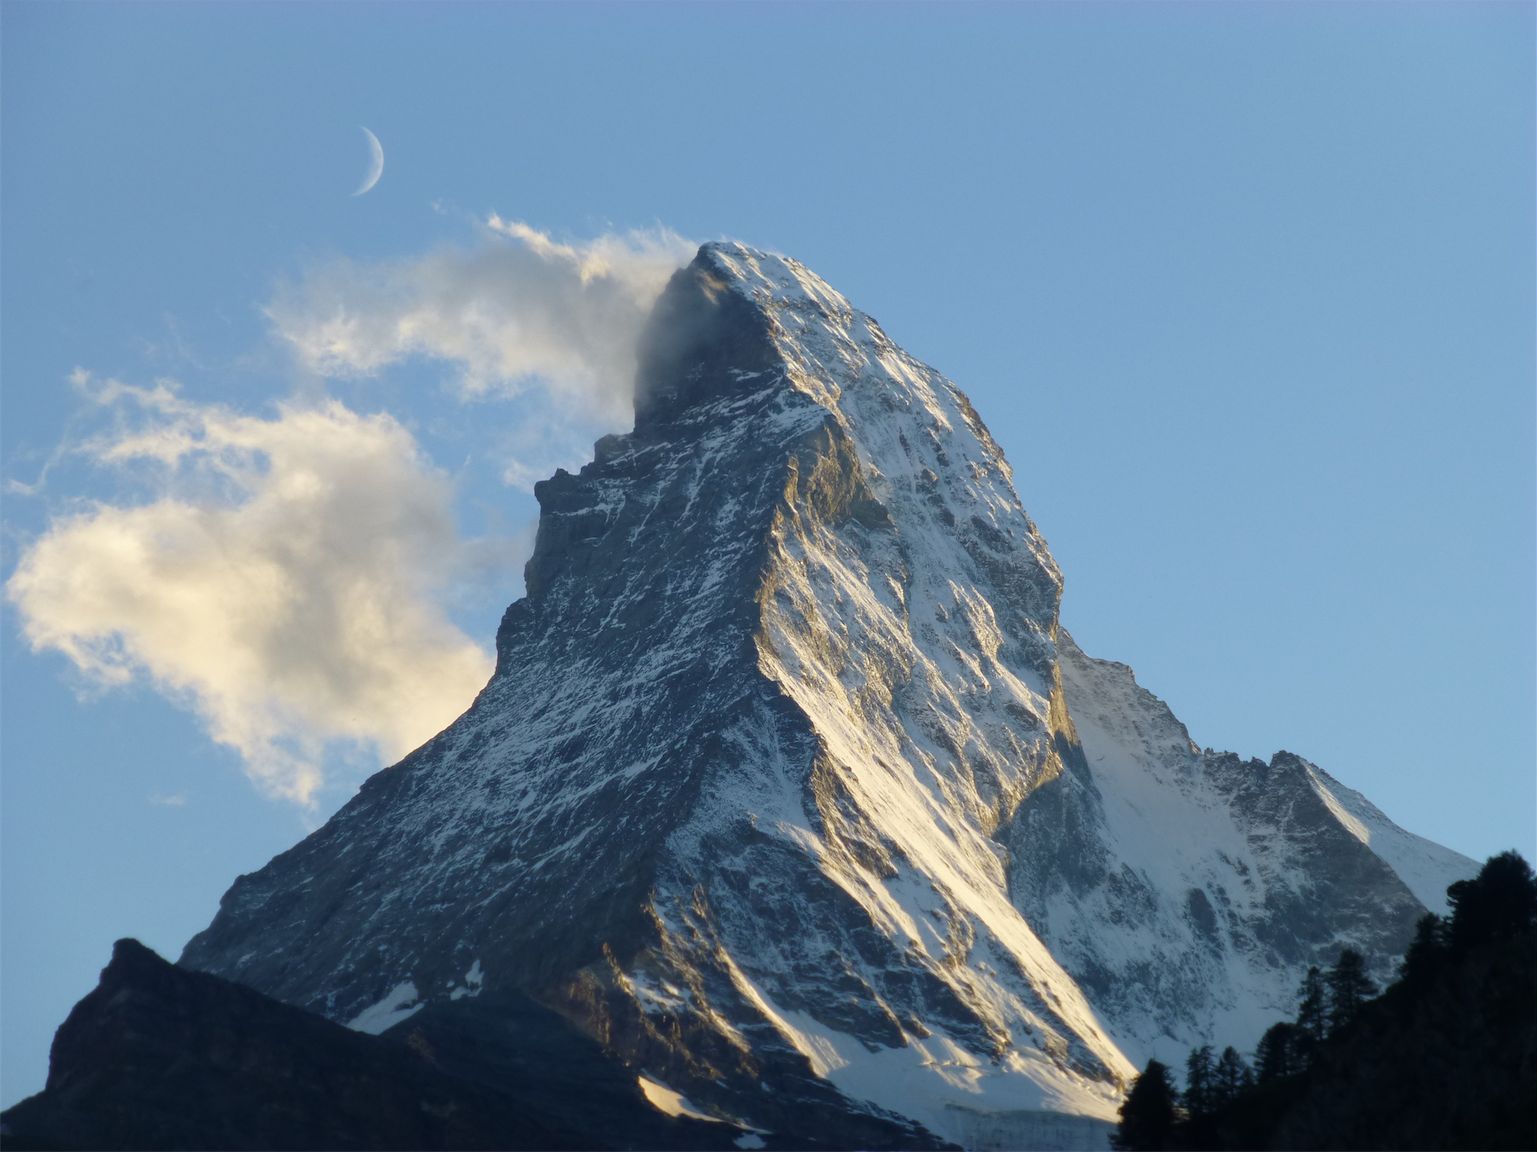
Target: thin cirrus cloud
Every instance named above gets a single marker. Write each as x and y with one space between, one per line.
517 312
284 582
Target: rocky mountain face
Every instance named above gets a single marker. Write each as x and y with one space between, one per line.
790 790
1186 890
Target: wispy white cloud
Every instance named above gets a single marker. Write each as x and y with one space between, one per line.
516 312
285 574
284 580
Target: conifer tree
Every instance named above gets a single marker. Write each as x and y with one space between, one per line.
1496 904
1426 953
1147 1115
1230 1077
1312 1012
1280 1052
1349 987
1198 1082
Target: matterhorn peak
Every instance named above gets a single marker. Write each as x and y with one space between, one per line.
790 789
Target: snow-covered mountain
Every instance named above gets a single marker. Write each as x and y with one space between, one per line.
790 789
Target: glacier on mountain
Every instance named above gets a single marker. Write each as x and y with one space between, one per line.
790 788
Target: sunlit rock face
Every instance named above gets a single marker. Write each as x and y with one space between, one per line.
789 788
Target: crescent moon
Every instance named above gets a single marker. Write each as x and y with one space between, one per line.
375 163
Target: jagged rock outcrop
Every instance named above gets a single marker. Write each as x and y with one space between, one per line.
1186 889
790 790
159 1057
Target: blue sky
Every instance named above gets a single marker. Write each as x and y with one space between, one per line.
1245 292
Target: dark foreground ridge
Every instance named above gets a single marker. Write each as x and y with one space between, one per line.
159 1057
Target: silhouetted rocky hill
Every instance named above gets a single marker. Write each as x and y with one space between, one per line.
159 1057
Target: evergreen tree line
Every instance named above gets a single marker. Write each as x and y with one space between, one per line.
1445 1057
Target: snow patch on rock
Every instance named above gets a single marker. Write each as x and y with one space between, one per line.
665 1100
397 1006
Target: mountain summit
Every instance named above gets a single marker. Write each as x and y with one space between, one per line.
790 789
